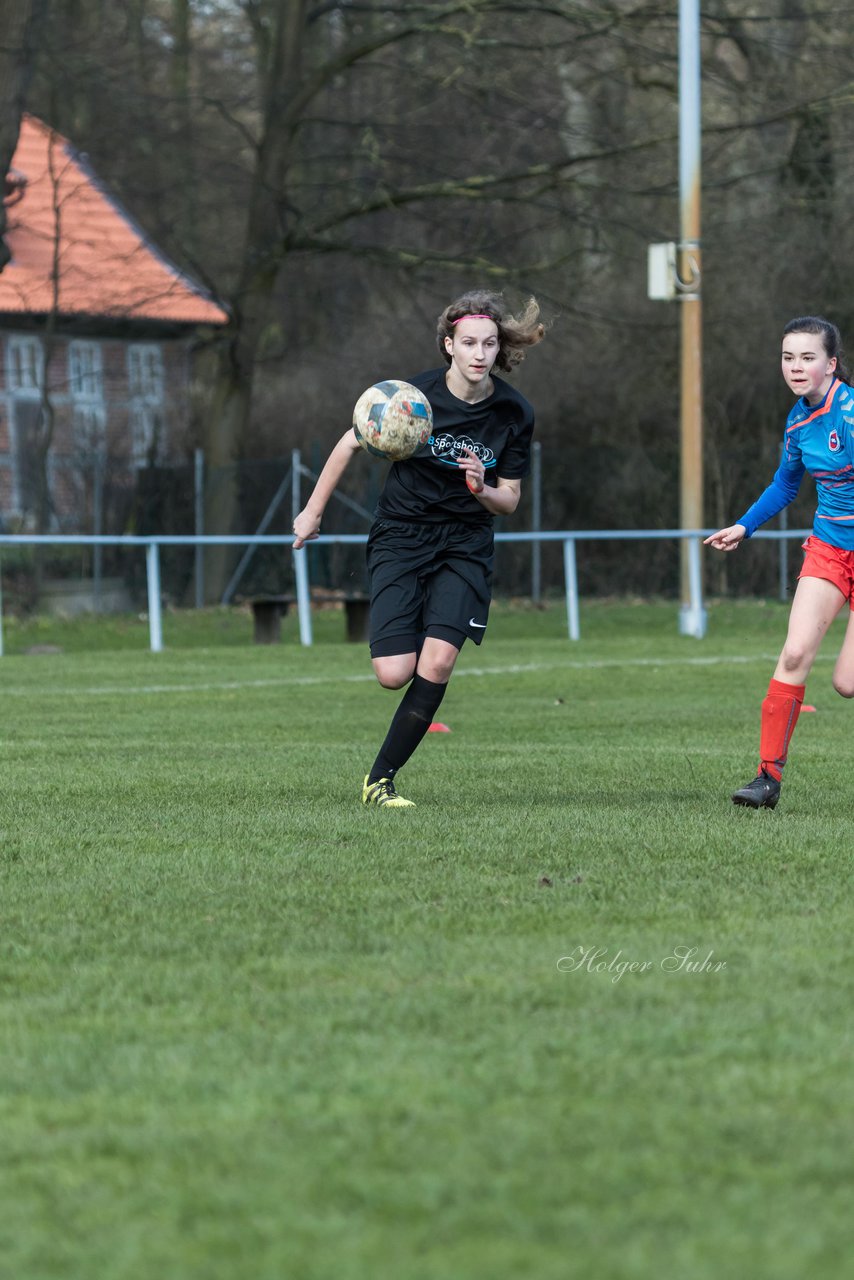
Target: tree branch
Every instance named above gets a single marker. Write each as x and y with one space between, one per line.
479 187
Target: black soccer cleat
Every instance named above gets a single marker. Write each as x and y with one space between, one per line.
762 792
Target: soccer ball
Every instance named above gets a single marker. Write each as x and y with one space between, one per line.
392 420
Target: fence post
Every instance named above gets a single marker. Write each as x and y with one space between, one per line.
693 620
784 558
536 520
155 621
570 573
303 595
199 501
296 484
97 527
300 557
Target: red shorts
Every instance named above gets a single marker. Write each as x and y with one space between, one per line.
831 563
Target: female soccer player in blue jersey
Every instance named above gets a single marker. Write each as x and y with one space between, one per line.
430 549
819 438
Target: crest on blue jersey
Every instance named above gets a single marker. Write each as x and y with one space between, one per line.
834 444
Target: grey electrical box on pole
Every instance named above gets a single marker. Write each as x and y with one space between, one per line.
661 272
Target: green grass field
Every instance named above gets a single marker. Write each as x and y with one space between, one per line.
250 1029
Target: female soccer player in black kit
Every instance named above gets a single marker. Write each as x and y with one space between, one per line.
430 549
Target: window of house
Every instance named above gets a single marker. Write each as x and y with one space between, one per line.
88 424
25 419
85 372
145 376
145 372
24 383
24 366
146 427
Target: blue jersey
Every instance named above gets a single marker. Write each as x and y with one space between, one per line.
819 440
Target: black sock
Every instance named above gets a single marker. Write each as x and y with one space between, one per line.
409 724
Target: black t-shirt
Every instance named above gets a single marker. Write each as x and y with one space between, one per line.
429 486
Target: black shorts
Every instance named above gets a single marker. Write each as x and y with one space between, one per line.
428 580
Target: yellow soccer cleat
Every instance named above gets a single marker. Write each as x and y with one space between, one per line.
382 794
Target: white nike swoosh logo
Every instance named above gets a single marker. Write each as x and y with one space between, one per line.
472 623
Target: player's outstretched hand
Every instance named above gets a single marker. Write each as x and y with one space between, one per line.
728 539
474 470
306 529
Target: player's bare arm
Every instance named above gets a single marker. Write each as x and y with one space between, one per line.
728 539
503 499
307 523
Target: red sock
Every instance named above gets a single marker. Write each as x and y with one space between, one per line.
780 710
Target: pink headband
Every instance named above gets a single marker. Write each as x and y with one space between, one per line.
474 317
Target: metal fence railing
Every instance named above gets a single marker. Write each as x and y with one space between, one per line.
569 539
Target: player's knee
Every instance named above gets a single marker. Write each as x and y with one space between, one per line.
793 659
844 685
392 673
393 682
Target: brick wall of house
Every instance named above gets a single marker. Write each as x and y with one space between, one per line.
117 405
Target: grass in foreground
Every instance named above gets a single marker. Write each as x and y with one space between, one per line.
248 1028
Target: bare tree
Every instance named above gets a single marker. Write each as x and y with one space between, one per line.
20 22
378 135
332 168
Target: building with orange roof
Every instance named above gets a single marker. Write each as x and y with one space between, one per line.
96 330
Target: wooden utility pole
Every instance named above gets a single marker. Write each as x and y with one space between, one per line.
692 615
